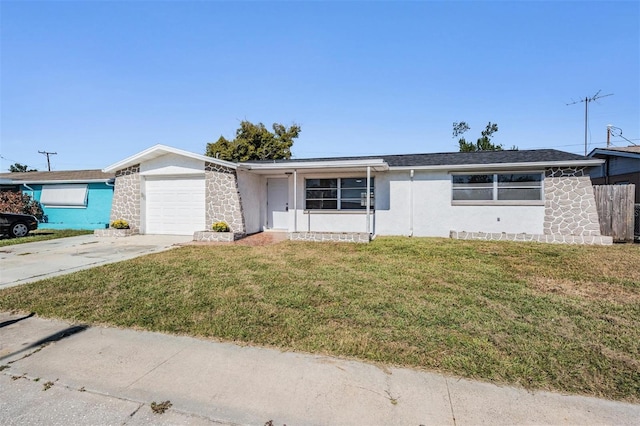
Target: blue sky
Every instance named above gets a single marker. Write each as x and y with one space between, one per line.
97 82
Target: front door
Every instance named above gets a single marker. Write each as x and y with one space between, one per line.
278 203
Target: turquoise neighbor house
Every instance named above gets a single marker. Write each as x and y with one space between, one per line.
74 199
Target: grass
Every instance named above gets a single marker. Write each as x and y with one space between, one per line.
43 235
553 317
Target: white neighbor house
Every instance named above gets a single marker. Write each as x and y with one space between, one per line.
539 195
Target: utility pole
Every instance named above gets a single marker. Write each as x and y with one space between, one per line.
608 135
586 101
48 154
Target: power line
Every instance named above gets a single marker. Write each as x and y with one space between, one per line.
8 159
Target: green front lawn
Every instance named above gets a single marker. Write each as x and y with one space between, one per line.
42 235
556 317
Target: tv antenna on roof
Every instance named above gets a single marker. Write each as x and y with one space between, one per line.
610 131
586 101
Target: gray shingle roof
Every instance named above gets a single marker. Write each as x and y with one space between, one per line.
67 175
456 158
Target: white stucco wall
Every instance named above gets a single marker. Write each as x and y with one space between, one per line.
172 164
433 214
428 197
253 198
332 222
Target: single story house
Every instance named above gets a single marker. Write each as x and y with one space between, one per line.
534 195
78 199
621 166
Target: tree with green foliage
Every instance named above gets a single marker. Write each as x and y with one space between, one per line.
20 168
483 143
255 142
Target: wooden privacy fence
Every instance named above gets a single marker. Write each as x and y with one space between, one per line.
636 228
615 204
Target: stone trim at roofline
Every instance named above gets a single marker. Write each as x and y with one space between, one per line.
126 197
222 198
570 206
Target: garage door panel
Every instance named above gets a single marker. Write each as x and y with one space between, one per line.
175 206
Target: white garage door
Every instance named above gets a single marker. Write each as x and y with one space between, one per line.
175 205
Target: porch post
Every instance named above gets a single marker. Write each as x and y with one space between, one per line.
368 199
295 200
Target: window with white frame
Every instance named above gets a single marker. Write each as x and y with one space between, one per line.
338 194
497 187
64 195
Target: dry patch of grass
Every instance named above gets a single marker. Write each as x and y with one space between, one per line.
592 290
554 317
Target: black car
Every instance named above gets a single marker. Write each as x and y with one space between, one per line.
17 225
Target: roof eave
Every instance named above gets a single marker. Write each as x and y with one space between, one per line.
159 150
496 166
613 152
378 164
48 182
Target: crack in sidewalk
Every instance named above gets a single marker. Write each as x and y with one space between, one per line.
453 415
155 368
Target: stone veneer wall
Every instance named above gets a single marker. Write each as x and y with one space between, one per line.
211 236
570 213
340 237
540 238
569 203
126 197
223 198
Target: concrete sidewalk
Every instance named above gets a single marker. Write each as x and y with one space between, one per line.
111 376
24 263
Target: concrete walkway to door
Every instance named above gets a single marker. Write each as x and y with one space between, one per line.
24 263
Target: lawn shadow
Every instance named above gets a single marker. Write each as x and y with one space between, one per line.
13 321
55 337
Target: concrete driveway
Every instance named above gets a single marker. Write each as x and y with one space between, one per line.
24 263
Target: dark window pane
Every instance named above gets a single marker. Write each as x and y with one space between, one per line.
355 183
519 194
472 194
519 184
472 179
355 193
474 186
322 204
321 183
520 179
354 204
322 193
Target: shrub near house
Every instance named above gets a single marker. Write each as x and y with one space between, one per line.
18 202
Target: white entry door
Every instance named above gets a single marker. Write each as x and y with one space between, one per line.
278 203
175 205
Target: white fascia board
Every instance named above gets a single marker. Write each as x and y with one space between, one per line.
613 153
301 165
506 166
157 151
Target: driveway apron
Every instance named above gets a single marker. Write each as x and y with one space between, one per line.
24 263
